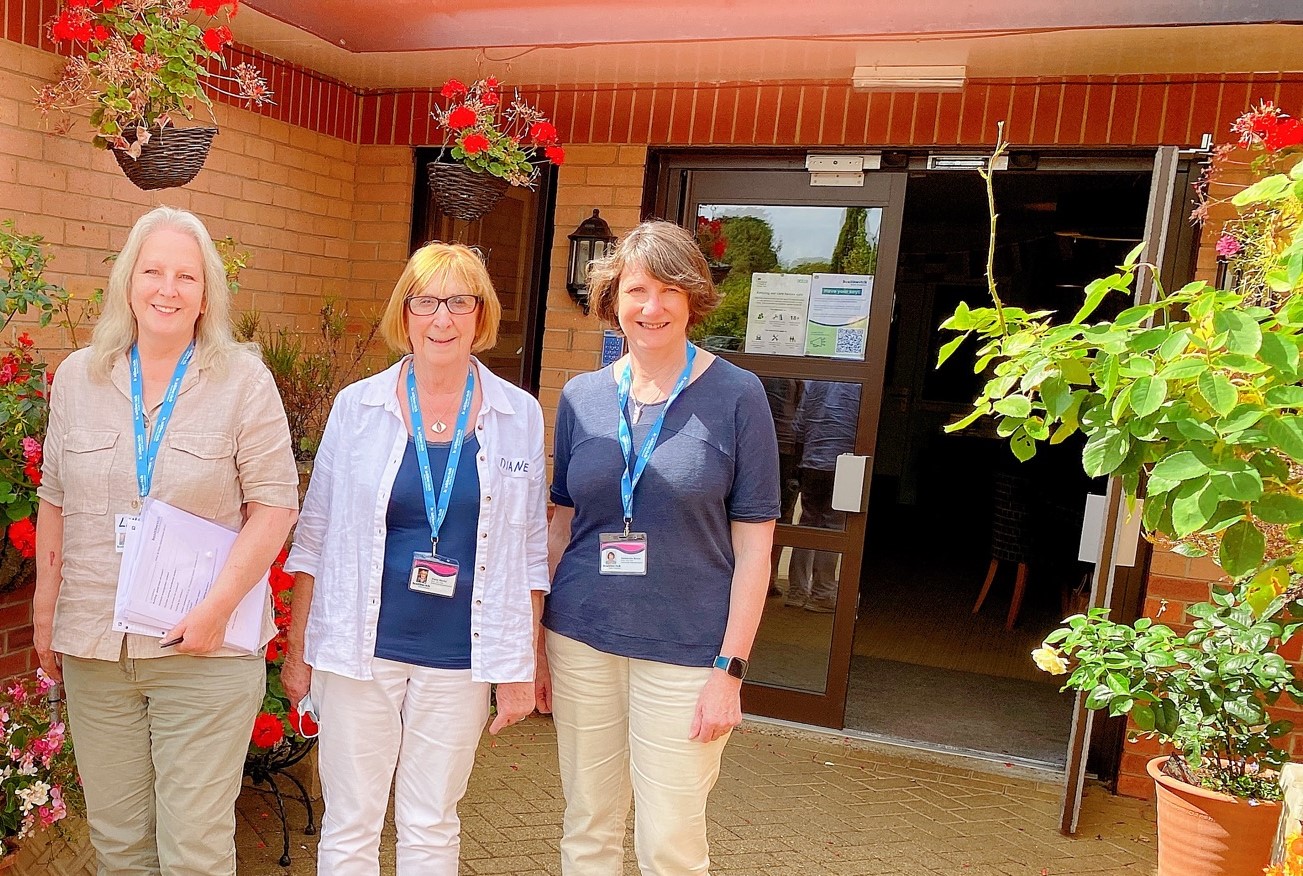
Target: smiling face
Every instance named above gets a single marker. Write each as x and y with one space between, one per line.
167 287
443 339
652 315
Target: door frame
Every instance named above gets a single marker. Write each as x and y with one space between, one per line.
685 182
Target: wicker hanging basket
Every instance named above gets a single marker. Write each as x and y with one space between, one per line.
462 193
171 158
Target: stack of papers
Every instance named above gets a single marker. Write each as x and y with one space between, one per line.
170 560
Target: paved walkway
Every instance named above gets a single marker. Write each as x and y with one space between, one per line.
787 804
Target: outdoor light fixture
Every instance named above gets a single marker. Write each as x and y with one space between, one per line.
591 240
936 77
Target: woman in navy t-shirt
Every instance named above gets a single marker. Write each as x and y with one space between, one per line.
665 481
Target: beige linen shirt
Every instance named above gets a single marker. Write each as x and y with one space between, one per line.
227 444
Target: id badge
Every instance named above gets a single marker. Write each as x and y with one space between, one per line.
433 574
622 554
123 524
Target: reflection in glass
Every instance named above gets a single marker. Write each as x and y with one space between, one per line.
793 643
741 240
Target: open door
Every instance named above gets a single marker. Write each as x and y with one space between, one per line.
1172 243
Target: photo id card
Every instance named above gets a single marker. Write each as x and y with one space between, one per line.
123 524
433 574
623 554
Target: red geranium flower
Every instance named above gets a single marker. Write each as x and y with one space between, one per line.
275 650
22 535
25 341
304 726
453 89
555 154
490 98
138 42
78 4
267 730
33 473
491 82
462 117
475 143
216 37
110 5
210 7
543 132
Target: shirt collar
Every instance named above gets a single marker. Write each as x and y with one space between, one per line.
381 388
120 375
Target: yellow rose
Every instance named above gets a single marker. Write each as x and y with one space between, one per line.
1050 660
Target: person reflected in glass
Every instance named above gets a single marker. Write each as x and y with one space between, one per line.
825 425
164 405
784 395
645 652
420 567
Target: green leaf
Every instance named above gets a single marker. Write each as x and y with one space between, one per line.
1193 507
949 348
1285 396
1279 508
1240 418
1241 549
1218 391
1095 292
1272 188
1104 452
1244 335
1237 480
1144 717
1180 466
1280 353
1175 345
1148 395
1287 434
1018 406
1134 255
1186 366
1023 446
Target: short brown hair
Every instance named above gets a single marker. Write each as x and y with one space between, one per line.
438 260
665 251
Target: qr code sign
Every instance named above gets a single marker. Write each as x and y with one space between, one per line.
850 342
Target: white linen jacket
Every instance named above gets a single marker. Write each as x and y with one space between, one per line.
340 538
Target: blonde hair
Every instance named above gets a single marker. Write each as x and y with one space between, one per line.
665 251
116 329
439 261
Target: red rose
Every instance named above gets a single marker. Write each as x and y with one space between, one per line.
22 535
216 37
462 117
555 154
138 42
453 89
267 730
543 133
473 144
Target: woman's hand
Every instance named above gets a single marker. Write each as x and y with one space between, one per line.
51 660
719 708
542 683
296 677
201 631
515 703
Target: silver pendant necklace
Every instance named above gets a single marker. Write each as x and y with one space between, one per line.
439 427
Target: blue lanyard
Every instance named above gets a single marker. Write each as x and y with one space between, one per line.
629 480
435 511
147 445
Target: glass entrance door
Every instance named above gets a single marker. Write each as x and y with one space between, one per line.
807 275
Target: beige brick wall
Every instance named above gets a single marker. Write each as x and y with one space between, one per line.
608 178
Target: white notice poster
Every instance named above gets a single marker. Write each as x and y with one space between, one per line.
838 321
776 314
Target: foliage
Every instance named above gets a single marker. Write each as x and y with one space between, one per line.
310 370
277 720
854 253
139 64
748 246
1193 401
38 776
488 136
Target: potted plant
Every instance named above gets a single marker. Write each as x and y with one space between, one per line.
38 776
141 65
713 244
489 144
1194 402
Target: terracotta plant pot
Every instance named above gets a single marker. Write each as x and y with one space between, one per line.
1204 833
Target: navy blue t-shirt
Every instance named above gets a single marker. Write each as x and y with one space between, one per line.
421 628
716 461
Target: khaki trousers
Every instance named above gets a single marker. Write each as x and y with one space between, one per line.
622 731
160 745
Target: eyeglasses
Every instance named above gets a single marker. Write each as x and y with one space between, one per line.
428 305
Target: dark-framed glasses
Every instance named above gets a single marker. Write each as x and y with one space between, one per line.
428 305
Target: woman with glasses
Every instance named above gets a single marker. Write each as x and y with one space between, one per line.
665 479
421 565
164 406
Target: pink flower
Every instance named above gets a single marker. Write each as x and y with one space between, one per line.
31 450
1228 246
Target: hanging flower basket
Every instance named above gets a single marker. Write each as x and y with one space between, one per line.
718 271
463 193
169 159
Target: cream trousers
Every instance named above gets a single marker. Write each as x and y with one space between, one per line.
622 730
160 746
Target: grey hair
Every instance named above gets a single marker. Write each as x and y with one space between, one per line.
116 329
665 251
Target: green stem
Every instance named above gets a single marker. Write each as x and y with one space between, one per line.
988 176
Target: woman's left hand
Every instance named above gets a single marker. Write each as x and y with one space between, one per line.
719 708
201 631
515 702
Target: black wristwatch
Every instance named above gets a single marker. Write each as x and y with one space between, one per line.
734 666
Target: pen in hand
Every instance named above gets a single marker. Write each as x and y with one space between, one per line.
170 642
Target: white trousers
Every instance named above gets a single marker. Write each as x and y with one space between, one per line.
622 731
426 723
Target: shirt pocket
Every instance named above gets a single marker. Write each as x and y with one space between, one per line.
87 461
515 497
200 471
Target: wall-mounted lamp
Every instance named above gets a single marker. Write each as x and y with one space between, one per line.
935 77
591 240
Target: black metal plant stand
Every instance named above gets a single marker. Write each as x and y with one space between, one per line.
266 768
